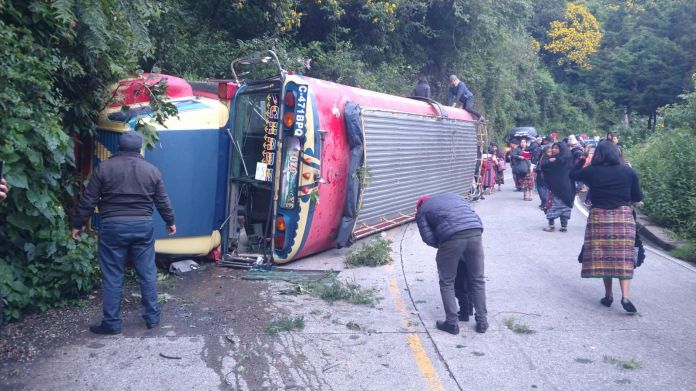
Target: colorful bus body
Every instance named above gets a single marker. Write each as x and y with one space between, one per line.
191 154
285 167
408 148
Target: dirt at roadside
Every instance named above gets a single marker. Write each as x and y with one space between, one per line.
209 302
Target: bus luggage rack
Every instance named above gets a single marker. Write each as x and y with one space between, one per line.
244 261
367 230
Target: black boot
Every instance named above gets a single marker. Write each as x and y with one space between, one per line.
100 329
446 327
481 326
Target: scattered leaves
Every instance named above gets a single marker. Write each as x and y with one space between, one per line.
285 324
625 364
519 328
375 253
329 288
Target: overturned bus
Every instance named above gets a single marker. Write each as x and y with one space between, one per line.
287 166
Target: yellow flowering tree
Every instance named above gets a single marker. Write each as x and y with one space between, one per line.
575 37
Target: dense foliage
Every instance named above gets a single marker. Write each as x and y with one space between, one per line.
667 168
569 67
58 57
557 65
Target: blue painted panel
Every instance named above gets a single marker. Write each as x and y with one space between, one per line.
189 163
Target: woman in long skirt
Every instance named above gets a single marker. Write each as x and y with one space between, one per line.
561 192
520 160
488 173
608 251
500 166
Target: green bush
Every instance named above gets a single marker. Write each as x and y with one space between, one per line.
58 59
666 165
39 265
686 252
667 169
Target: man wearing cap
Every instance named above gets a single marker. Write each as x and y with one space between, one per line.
125 187
448 223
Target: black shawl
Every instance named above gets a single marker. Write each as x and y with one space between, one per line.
556 176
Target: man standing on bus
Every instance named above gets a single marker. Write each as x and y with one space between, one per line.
448 223
125 187
459 93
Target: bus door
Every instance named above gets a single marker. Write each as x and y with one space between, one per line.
255 138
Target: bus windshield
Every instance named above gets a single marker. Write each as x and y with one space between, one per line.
255 136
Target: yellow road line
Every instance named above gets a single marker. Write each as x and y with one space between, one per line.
425 366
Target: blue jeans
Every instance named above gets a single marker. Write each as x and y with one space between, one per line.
118 241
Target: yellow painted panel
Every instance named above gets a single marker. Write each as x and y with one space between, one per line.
215 115
196 246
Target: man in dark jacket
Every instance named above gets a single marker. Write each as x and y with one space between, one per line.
124 188
459 93
448 223
422 88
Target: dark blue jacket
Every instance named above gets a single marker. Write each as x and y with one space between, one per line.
124 186
443 215
459 93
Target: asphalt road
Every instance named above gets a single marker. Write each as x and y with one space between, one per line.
213 332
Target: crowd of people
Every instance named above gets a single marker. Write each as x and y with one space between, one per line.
560 170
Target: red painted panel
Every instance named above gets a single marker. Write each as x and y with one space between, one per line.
132 91
330 99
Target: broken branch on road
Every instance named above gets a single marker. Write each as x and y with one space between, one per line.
169 357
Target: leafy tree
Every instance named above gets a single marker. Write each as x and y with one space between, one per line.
576 37
647 56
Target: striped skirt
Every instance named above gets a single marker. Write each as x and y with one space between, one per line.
609 239
556 208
